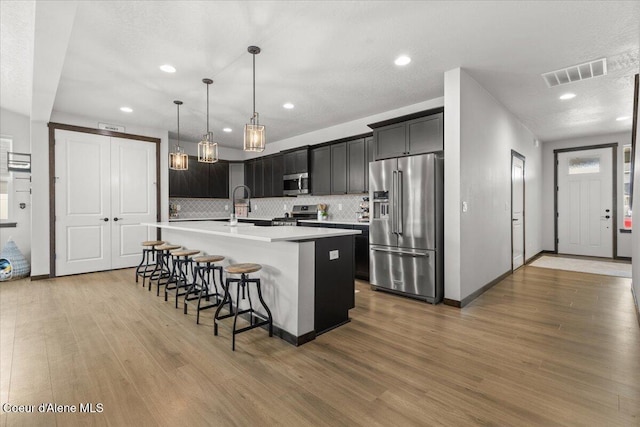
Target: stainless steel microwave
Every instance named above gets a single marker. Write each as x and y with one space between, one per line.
294 184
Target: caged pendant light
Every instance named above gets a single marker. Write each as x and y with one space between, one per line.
207 149
254 133
178 160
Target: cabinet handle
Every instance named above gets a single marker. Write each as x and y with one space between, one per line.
104 219
116 219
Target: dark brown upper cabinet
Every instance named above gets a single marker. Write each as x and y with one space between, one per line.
201 180
417 133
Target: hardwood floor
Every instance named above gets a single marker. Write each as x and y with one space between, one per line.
543 347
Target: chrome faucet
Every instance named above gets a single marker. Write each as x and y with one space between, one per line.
233 220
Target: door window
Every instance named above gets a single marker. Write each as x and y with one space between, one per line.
580 165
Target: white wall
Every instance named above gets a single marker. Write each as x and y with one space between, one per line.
16 126
40 181
622 138
488 132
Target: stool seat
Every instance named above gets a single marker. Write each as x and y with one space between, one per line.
243 268
185 252
152 243
167 247
208 258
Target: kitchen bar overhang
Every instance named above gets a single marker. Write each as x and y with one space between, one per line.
307 273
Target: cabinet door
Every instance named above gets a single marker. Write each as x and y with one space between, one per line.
390 141
302 161
258 178
277 171
197 178
267 173
339 168
289 163
356 166
248 177
362 252
175 182
219 180
368 142
426 134
321 171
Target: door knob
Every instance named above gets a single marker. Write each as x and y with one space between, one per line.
117 219
105 219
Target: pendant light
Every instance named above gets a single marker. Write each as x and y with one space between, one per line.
178 160
254 134
207 149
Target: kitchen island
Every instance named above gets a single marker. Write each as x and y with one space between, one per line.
307 273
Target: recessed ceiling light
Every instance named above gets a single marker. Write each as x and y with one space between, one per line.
567 96
288 106
623 118
402 60
227 130
168 68
126 109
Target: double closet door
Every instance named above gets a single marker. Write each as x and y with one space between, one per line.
105 190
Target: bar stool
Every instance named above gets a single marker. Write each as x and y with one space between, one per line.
181 271
205 270
243 270
163 269
146 266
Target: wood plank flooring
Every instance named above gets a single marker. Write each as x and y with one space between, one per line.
541 348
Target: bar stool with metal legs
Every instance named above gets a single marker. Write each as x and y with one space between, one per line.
204 274
149 260
255 319
162 272
181 272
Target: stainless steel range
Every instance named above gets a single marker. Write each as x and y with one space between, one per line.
297 213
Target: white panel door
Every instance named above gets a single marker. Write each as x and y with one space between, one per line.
133 174
517 211
83 203
585 202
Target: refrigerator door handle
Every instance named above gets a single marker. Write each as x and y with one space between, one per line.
400 202
394 202
400 251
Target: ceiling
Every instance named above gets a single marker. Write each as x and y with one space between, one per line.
333 60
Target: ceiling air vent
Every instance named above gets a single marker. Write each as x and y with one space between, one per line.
575 73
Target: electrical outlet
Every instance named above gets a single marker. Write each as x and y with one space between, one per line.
465 207
226 207
177 207
255 207
339 206
285 207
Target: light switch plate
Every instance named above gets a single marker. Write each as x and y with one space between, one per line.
334 254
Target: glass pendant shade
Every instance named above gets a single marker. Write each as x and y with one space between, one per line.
254 136
178 160
207 149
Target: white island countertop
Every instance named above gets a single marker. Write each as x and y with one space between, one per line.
251 232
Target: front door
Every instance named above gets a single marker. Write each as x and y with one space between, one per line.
585 202
517 210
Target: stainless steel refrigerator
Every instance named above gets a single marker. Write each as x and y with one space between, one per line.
406 228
